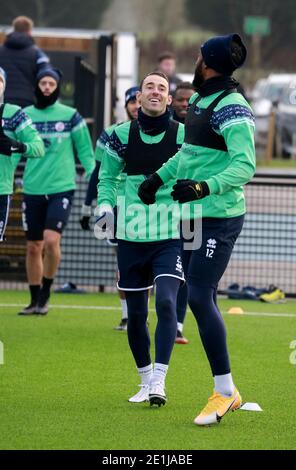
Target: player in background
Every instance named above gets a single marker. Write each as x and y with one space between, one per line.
166 63
22 60
49 185
131 107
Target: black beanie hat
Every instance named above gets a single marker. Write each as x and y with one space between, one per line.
49 72
224 53
131 94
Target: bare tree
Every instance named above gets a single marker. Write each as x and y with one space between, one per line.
159 17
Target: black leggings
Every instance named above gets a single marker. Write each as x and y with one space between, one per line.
166 329
206 267
202 301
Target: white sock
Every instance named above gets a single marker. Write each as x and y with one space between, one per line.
145 374
180 327
123 309
224 384
159 373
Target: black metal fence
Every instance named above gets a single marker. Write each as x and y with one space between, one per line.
264 254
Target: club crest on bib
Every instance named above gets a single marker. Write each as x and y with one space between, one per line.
60 126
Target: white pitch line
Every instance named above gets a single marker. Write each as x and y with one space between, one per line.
74 307
265 314
105 307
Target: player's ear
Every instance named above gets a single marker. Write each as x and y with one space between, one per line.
170 99
204 65
138 96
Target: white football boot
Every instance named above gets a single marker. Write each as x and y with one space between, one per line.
142 395
157 394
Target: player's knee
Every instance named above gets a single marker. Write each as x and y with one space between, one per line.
196 299
136 321
51 242
137 314
165 306
34 248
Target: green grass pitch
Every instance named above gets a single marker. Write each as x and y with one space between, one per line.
66 379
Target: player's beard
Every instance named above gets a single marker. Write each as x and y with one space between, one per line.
45 101
198 78
129 115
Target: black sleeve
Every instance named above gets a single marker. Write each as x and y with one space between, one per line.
91 193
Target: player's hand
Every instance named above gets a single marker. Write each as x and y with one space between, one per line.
189 190
9 146
104 226
85 217
149 188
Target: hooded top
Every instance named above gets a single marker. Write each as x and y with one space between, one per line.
17 40
22 60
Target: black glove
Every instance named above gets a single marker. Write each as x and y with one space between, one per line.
148 188
9 146
84 222
85 217
189 190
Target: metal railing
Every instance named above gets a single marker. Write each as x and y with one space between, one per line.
265 252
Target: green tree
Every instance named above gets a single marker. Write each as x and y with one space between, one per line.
227 16
55 13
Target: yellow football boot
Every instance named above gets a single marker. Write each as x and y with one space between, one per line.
217 407
274 297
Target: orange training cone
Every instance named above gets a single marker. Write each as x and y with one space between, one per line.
235 311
